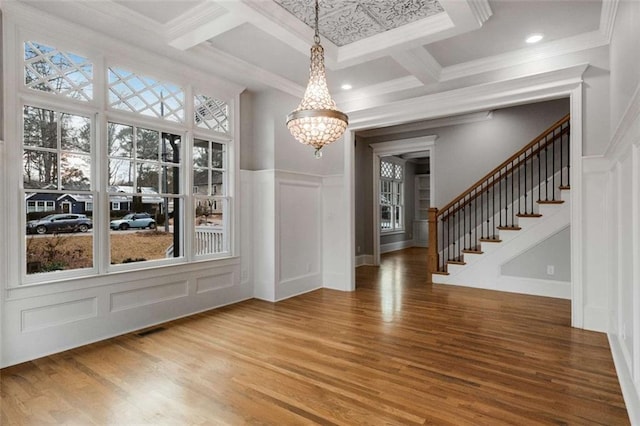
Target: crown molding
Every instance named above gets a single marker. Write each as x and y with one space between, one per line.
481 10
198 25
147 51
624 133
237 66
430 124
391 86
552 49
608 18
403 146
480 97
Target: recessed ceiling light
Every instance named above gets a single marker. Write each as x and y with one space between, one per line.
346 86
534 38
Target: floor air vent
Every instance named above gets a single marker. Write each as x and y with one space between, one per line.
149 331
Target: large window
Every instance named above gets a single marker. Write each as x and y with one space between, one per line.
144 178
117 171
210 196
391 195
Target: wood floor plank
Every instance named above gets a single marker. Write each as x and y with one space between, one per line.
396 351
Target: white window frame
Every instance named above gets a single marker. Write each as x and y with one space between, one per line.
397 193
19 95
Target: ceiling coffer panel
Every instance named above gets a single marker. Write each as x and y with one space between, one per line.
346 21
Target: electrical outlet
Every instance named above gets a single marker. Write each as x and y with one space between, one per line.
551 270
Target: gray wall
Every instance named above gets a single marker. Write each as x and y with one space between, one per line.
265 141
463 154
555 250
363 196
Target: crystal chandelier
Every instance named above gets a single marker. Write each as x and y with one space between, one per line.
317 121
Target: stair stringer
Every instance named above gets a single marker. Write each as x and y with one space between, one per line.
484 270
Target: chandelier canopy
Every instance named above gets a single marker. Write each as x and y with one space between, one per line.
317 121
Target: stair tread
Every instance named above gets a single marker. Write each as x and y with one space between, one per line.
491 240
550 201
456 262
509 228
564 187
472 251
528 215
440 273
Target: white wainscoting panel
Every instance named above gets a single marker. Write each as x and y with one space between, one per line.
335 247
58 314
298 233
35 326
130 299
215 282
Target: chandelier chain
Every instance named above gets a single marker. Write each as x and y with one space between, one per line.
316 37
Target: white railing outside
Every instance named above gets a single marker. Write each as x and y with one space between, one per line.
209 240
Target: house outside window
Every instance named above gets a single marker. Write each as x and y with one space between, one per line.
391 195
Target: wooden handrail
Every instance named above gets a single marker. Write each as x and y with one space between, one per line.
505 163
488 186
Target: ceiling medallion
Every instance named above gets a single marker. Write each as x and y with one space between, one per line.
317 121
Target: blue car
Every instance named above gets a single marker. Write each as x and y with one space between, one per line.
134 220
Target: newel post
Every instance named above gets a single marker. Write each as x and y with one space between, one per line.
432 249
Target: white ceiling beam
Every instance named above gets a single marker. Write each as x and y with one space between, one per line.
200 24
419 63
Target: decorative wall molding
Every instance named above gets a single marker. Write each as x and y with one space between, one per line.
364 259
523 56
399 245
430 124
401 146
480 97
626 130
625 377
608 18
537 287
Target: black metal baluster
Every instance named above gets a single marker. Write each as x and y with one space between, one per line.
546 172
493 204
525 184
531 181
553 167
464 229
568 155
539 175
500 196
475 222
513 204
561 162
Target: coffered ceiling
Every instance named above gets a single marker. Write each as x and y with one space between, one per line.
384 49
346 21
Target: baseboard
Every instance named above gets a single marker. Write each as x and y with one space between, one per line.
630 391
364 259
533 286
386 248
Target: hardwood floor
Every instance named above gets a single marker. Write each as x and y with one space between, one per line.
396 351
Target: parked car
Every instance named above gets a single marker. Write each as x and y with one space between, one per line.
63 222
134 220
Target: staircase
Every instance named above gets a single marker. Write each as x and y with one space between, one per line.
517 205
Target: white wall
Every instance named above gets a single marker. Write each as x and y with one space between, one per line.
299 239
620 169
63 313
